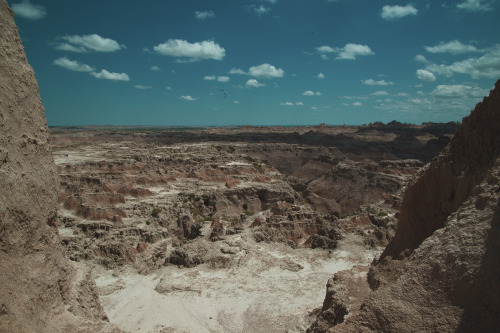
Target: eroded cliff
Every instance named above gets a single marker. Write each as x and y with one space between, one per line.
40 291
440 271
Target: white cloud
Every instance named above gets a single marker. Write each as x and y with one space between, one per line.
371 82
259 10
453 47
237 71
141 87
218 78
474 6
223 78
357 104
380 93
425 75
194 51
73 65
27 10
187 98
155 69
349 51
292 104
168 87
320 108
105 75
325 49
321 76
236 102
253 83
486 66
458 90
311 93
204 15
265 71
420 58
88 43
396 12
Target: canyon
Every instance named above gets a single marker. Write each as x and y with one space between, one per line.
239 229
230 229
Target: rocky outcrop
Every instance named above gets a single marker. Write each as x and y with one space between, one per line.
440 272
40 291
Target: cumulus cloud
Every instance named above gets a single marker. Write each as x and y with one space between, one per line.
88 43
321 76
474 6
291 104
371 82
397 12
168 87
425 75
458 90
218 78
266 71
486 66
141 87
453 47
223 78
203 15
311 93
73 65
420 58
380 93
105 75
27 10
236 102
155 69
357 104
349 51
187 98
237 71
253 83
325 49
193 51
259 10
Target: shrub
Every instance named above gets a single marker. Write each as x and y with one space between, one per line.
156 211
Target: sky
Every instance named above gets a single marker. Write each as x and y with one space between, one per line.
260 62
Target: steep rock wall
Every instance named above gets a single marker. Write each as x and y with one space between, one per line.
37 283
441 271
448 181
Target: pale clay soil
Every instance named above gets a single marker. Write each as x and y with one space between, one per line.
262 292
266 287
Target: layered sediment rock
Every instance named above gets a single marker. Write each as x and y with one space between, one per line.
440 272
40 290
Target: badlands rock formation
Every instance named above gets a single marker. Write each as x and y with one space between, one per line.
440 273
40 290
229 229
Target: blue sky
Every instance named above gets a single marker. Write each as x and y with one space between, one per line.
260 62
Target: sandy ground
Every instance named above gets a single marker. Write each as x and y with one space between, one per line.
267 288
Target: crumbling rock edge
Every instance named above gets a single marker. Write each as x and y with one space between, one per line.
40 290
440 271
